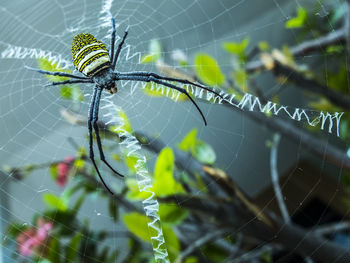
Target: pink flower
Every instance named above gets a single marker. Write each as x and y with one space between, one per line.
33 238
63 170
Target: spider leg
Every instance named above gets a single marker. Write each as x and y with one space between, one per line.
69 82
155 80
61 74
119 48
91 149
184 81
112 39
96 129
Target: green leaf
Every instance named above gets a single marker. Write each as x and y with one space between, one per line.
71 93
113 209
79 163
79 203
288 55
72 249
171 214
208 70
134 192
151 90
204 153
81 153
15 229
164 182
113 257
189 142
54 171
335 49
172 243
155 52
77 95
236 48
191 260
266 257
47 65
214 253
241 79
263 46
299 20
338 80
149 58
54 252
126 125
131 162
137 224
55 202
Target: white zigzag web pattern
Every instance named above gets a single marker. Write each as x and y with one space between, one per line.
150 204
17 52
250 102
133 147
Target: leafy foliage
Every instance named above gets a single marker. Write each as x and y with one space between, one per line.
208 70
155 50
299 20
70 92
202 151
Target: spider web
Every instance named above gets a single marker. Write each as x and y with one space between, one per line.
33 131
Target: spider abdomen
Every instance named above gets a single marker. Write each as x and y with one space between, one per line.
90 56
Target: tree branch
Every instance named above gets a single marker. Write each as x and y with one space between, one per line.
307 47
302 82
290 236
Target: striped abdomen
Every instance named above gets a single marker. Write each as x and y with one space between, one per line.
90 56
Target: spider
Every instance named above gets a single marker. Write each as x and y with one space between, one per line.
91 57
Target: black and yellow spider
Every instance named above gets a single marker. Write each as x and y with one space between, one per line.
91 57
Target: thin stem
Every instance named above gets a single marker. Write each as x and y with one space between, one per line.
274 178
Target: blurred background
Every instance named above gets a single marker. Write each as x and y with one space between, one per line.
288 52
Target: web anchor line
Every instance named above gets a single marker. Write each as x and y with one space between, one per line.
150 204
250 102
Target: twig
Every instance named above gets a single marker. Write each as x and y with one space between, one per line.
274 178
303 137
334 37
312 85
199 242
247 257
332 228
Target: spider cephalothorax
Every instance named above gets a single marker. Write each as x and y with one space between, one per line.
91 57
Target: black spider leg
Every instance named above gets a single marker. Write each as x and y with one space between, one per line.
114 62
56 73
96 107
183 81
111 53
89 123
155 80
69 82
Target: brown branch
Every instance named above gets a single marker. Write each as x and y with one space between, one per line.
307 47
301 136
308 84
306 139
290 236
332 228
